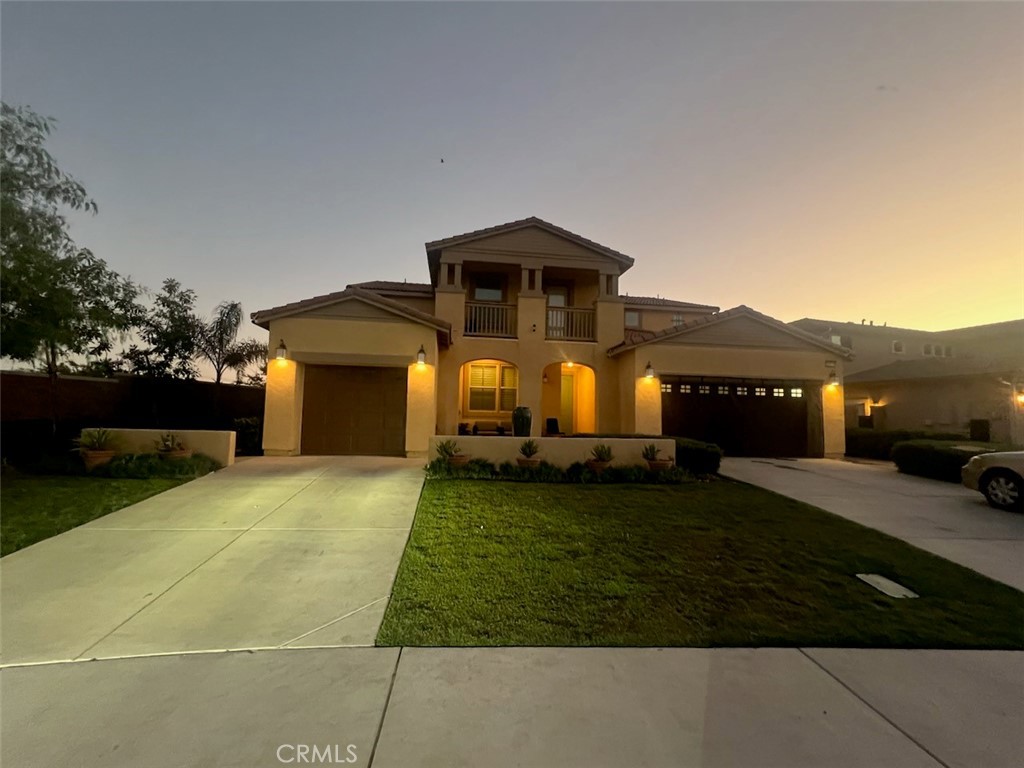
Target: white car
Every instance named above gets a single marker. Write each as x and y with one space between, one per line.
1000 476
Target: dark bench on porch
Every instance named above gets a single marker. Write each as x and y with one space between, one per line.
492 428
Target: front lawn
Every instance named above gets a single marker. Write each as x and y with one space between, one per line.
36 507
703 564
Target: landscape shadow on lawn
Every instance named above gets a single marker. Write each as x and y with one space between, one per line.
705 564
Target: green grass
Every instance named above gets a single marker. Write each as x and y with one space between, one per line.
703 564
36 507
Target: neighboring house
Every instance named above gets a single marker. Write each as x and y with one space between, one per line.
941 381
527 313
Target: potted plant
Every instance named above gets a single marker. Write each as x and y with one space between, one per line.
168 446
600 458
529 450
96 447
650 453
450 451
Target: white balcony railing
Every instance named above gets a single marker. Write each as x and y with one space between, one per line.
484 318
570 324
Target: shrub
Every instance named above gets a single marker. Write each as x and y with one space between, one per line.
650 452
95 440
601 452
529 448
143 466
877 443
448 448
937 459
542 473
248 436
481 469
698 457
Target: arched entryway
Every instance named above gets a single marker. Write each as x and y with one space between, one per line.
488 393
568 397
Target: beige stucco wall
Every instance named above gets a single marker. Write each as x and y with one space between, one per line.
219 445
333 341
560 451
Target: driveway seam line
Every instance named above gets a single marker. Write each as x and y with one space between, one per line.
384 710
333 621
200 565
870 706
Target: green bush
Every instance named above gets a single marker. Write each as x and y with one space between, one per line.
877 443
143 466
249 436
697 457
936 459
481 469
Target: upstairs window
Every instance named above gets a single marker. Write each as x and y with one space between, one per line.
632 319
489 288
927 350
677 320
492 387
897 348
949 351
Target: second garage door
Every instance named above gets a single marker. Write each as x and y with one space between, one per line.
744 417
350 410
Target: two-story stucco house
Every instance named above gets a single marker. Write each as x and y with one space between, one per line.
528 313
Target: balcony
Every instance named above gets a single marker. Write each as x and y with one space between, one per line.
485 318
570 324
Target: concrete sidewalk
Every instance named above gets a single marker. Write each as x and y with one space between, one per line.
268 552
536 707
943 518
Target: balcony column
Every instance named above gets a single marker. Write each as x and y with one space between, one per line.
537 288
458 275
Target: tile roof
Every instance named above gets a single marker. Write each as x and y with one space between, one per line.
263 317
393 286
655 301
741 310
903 370
532 221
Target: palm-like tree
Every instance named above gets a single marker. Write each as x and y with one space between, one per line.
247 352
217 337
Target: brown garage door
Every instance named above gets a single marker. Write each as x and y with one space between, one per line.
745 417
353 410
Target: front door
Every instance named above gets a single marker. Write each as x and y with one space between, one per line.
565 413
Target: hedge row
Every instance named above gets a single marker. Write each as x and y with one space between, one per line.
877 444
481 469
142 466
937 459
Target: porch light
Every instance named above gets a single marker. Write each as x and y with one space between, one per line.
421 356
568 364
649 370
1020 398
282 350
833 379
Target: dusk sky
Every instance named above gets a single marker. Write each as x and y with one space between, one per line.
825 160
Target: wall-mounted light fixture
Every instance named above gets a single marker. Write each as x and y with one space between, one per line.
421 356
569 364
1020 398
544 378
282 350
833 379
649 370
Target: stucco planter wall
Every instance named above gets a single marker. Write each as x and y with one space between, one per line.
560 451
218 445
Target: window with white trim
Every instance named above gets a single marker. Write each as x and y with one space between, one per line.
632 319
492 387
897 348
677 319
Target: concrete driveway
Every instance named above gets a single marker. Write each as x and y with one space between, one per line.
272 552
946 519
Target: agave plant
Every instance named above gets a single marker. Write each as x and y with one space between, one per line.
529 448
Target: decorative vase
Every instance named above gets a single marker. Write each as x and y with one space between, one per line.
458 460
597 467
659 465
531 462
95 459
182 453
522 421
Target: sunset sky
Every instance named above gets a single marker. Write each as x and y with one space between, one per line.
842 161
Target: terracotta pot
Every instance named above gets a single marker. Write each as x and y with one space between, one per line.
597 467
522 461
95 459
659 465
184 453
458 460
